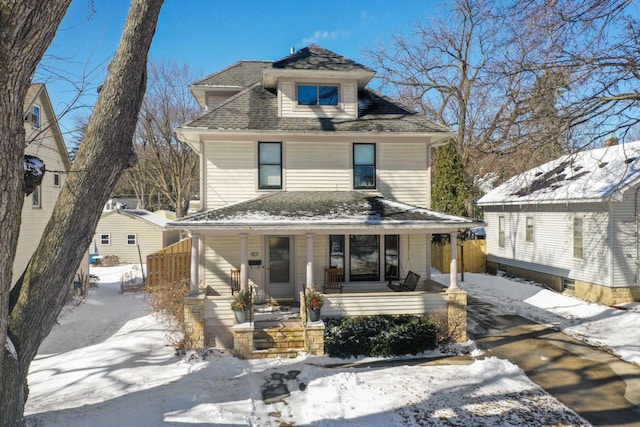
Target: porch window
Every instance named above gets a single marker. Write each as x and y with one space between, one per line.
391 257
578 238
317 95
528 235
364 257
501 232
364 166
270 165
336 252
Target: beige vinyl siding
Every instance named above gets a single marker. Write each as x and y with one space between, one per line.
218 97
41 143
320 261
416 303
221 254
288 106
230 172
149 237
318 166
402 172
552 249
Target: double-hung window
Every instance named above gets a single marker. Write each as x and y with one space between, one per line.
132 239
578 239
56 179
391 257
36 197
105 239
35 117
270 165
336 251
364 166
317 95
528 232
501 232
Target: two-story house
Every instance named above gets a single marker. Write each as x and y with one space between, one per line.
44 140
303 167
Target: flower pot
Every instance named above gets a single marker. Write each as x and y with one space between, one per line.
241 316
314 315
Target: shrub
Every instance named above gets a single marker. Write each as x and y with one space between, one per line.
379 336
167 304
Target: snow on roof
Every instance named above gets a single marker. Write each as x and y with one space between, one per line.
146 216
586 176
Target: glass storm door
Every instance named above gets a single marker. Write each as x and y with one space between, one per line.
279 275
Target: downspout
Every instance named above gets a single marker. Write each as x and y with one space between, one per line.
635 217
610 242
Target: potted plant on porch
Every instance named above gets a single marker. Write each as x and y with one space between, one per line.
240 304
314 302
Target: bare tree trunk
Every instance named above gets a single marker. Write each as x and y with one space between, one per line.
105 153
26 30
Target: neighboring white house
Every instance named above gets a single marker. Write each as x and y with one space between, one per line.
572 223
43 140
303 168
131 234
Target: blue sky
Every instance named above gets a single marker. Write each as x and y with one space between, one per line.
211 34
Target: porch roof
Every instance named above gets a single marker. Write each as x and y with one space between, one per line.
323 210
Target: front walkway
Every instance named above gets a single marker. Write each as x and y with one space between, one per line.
597 385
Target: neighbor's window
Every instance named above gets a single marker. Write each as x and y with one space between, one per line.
501 232
105 239
364 166
56 179
36 197
317 95
578 240
391 257
528 234
364 257
132 239
270 165
35 117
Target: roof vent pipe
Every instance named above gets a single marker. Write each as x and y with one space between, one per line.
611 141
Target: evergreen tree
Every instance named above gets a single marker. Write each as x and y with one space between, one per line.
449 193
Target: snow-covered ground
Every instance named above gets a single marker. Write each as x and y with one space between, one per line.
108 364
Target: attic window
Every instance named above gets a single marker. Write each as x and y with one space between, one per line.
35 117
317 95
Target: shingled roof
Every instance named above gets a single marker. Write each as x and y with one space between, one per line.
242 73
587 176
314 57
323 209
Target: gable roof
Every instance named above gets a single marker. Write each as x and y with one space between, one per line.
241 74
141 214
40 90
305 210
587 176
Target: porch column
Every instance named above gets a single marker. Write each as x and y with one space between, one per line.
244 262
309 281
428 256
453 267
195 267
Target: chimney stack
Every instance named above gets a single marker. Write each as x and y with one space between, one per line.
293 50
611 141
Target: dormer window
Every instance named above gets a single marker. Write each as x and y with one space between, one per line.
317 95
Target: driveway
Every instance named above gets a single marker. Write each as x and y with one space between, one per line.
597 385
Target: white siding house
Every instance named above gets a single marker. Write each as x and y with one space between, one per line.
571 223
43 140
303 167
132 234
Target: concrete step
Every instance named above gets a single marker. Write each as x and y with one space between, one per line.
262 343
276 352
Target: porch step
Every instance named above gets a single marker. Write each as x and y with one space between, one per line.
277 341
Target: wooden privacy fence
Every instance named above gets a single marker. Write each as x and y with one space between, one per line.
475 256
172 263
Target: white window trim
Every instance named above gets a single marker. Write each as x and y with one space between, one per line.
108 239
501 231
57 176
33 115
36 198
573 237
135 239
533 228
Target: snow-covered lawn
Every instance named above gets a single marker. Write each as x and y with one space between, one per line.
108 364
